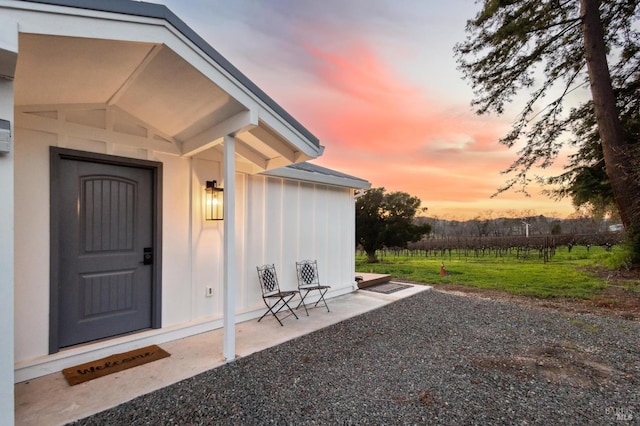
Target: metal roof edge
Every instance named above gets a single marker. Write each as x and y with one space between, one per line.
318 174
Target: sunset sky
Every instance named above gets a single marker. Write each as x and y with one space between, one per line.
376 82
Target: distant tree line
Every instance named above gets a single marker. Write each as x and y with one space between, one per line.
515 226
387 223
541 246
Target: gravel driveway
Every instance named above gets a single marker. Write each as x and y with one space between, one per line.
433 358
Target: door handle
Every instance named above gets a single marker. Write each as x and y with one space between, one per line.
147 256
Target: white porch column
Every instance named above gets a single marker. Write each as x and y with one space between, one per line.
8 56
229 207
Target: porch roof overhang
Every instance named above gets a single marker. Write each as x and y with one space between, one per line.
137 69
313 173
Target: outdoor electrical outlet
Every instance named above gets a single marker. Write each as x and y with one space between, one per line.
209 291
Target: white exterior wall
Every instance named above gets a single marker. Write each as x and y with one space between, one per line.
278 221
6 259
292 221
8 48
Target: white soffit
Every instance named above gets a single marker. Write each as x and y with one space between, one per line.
66 70
152 66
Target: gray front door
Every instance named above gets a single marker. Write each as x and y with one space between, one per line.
105 243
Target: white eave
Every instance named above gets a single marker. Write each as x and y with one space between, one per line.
138 62
316 174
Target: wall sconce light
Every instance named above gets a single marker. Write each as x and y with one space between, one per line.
213 198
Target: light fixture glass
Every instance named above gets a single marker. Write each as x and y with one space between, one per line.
213 201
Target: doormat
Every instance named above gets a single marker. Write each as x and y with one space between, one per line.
387 288
112 364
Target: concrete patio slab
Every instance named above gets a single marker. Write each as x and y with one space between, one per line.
49 400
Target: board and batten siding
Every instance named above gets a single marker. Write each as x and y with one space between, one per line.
299 221
279 221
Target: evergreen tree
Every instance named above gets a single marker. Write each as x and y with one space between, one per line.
549 48
387 220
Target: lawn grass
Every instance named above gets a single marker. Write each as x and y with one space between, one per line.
567 274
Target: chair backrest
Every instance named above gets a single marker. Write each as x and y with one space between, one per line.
307 273
268 279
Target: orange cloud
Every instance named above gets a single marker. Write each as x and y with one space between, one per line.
378 126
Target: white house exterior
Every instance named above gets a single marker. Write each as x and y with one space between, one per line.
119 113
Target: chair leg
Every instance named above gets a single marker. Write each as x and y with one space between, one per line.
322 293
281 303
302 301
268 311
285 303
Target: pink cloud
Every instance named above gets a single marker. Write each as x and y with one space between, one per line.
377 125
373 108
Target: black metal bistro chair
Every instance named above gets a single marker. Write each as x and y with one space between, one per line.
273 297
308 281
